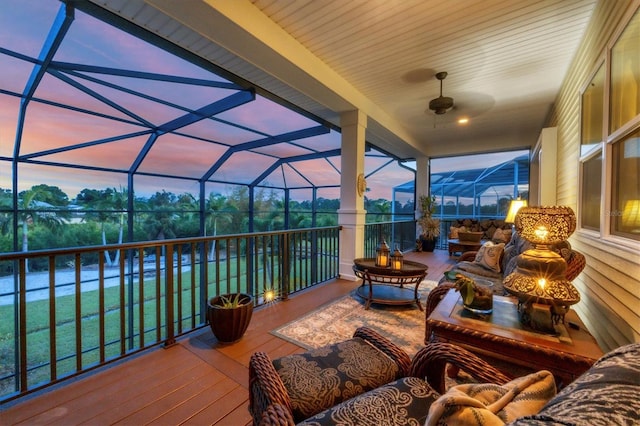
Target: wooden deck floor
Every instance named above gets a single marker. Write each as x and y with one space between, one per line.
196 381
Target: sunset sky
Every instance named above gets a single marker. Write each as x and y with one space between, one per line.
121 112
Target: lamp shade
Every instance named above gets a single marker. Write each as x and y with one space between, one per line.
545 224
631 214
515 205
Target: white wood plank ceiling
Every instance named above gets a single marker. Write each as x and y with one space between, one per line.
506 60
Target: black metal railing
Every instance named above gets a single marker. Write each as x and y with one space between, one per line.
396 234
74 314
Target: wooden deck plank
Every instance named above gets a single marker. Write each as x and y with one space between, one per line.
206 379
183 413
160 376
154 400
197 381
216 412
239 416
38 408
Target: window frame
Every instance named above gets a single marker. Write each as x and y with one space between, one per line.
609 139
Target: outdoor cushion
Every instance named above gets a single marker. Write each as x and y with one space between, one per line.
606 394
402 402
324 377
489 256
454 230
501 235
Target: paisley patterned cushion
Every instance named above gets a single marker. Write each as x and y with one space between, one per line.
607 394
403 402
324 377
489 255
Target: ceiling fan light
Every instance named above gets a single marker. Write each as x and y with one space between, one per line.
441 104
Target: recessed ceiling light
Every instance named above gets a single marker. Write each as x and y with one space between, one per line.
463 120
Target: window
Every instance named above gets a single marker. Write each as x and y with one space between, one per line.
591 190
626 190
610 134
593 113
625 76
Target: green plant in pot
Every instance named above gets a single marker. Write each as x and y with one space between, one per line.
477 297
229 316
429 226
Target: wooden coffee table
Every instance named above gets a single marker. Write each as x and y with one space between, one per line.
502 337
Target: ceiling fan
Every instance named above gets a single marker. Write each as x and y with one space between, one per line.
441 104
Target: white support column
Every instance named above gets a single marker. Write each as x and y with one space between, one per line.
422 185
351 215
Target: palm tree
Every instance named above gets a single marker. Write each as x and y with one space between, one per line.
31 207
101 206
214 210
160 222
5 214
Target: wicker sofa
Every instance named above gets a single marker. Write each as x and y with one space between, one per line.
468 265
605 394
487 226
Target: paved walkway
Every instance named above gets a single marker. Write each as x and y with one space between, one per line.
38 282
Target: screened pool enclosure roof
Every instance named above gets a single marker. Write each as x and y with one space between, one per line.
100 103
502 179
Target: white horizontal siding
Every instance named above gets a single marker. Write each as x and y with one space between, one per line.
610 283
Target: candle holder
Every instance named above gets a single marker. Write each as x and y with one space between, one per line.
397 260
382 255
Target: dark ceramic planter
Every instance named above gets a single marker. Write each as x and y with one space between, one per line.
428 245
229 324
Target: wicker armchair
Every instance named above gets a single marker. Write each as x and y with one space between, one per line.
340 370
270 402
434 297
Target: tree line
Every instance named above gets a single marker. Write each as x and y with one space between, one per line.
47 218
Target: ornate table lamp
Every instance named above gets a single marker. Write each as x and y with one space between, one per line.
539 281
382 254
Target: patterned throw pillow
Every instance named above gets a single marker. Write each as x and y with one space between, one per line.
453 231
489 255
501 236
488 404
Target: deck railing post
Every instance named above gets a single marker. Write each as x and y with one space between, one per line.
286 278
168 297
23 325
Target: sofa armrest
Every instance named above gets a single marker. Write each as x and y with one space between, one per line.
276 415
431 361
469 256
575 265
265 387
397 354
